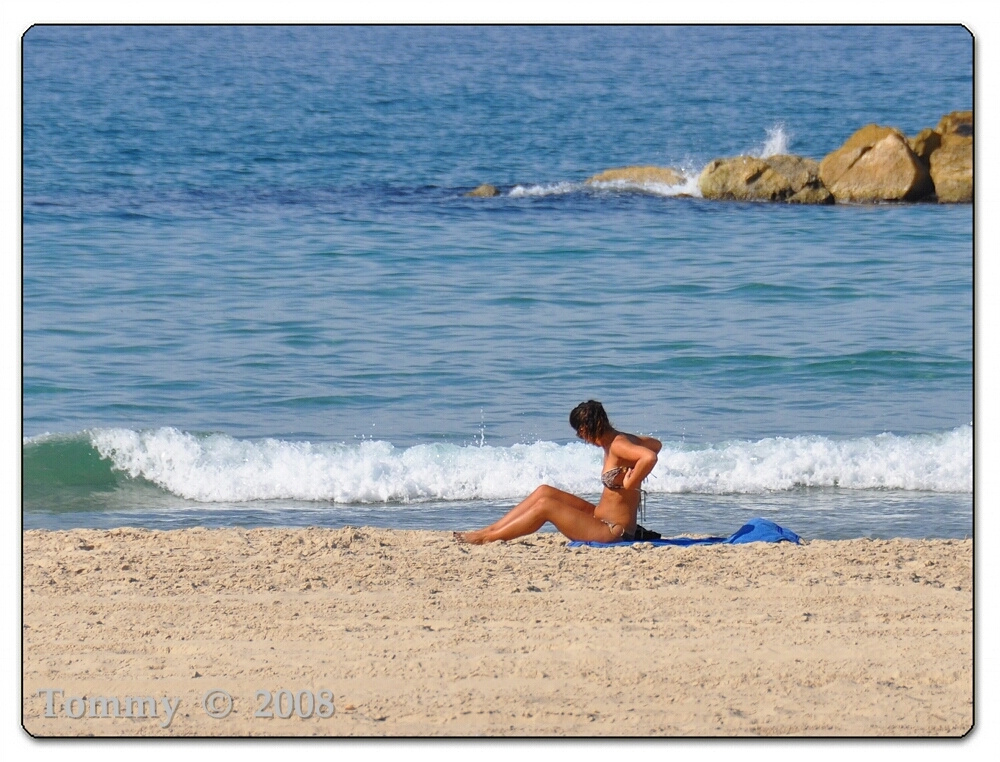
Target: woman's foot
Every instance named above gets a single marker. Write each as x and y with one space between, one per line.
471 538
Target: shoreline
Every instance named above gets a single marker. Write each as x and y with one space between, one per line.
412 634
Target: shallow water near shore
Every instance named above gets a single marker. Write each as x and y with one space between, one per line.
813 514
255 294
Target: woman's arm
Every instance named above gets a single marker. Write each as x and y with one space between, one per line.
642 451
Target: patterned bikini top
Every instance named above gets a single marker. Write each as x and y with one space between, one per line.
609 476
608 480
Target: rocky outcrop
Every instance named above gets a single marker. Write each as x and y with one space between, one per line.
639 176
777 178
876 164
951 163
484 191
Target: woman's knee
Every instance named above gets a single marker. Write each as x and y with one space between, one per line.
552 498
545 492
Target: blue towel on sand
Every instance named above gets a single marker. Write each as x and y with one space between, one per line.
755 530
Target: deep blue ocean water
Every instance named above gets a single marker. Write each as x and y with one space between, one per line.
255 293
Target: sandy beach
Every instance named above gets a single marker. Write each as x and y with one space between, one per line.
372 632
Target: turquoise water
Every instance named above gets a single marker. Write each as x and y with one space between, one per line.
254 292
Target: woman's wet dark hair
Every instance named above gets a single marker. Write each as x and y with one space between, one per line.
588 418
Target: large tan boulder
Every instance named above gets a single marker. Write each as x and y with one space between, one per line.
875 164
951 170
840 161
777 178
484 191
639 176
743 178
951 163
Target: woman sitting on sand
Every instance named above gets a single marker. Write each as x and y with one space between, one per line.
628 459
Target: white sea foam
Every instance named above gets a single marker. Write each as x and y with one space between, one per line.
219 468
547 189
778 140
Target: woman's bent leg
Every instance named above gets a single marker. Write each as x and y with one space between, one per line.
543 493
571 515
518 509
529 503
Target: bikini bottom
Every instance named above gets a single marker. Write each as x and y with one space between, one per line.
626 536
